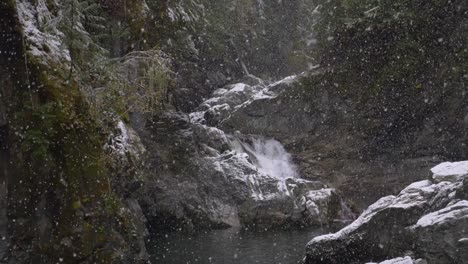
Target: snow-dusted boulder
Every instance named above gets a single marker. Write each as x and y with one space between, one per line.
320 205
369 236
441 236
450 171
226 100
271 111
211 136
314 207
445 216
429 218
401 260
234 98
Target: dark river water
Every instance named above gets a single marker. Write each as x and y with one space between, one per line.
232 246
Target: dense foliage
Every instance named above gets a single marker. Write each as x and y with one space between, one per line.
396 59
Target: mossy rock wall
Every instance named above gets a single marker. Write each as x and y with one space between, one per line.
61 207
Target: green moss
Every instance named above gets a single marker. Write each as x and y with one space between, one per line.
56 145
60 152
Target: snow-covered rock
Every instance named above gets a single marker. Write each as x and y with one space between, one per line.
439 235
445 216
401 260
272 111
316 201
47 45
229 99
124 141
429 218
450 171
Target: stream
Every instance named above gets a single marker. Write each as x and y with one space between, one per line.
232 246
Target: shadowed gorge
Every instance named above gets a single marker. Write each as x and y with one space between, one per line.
252 131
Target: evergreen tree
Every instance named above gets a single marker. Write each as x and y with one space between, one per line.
76 19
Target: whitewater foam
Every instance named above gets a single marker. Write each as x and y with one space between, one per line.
267 154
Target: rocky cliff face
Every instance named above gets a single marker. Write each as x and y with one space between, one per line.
427 220
59 206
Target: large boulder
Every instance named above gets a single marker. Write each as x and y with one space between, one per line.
277 110
442 236
450 171
428 218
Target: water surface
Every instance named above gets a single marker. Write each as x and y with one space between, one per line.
232 246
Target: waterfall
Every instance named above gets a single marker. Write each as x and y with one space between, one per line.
267 154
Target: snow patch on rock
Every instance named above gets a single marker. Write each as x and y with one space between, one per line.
450 171
365 217
446 215
230 98
317 200
46 45
405 260
124 141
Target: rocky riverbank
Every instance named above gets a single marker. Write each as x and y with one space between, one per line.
427 222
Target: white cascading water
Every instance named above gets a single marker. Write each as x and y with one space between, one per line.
268 155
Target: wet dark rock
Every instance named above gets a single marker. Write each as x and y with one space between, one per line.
462 193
